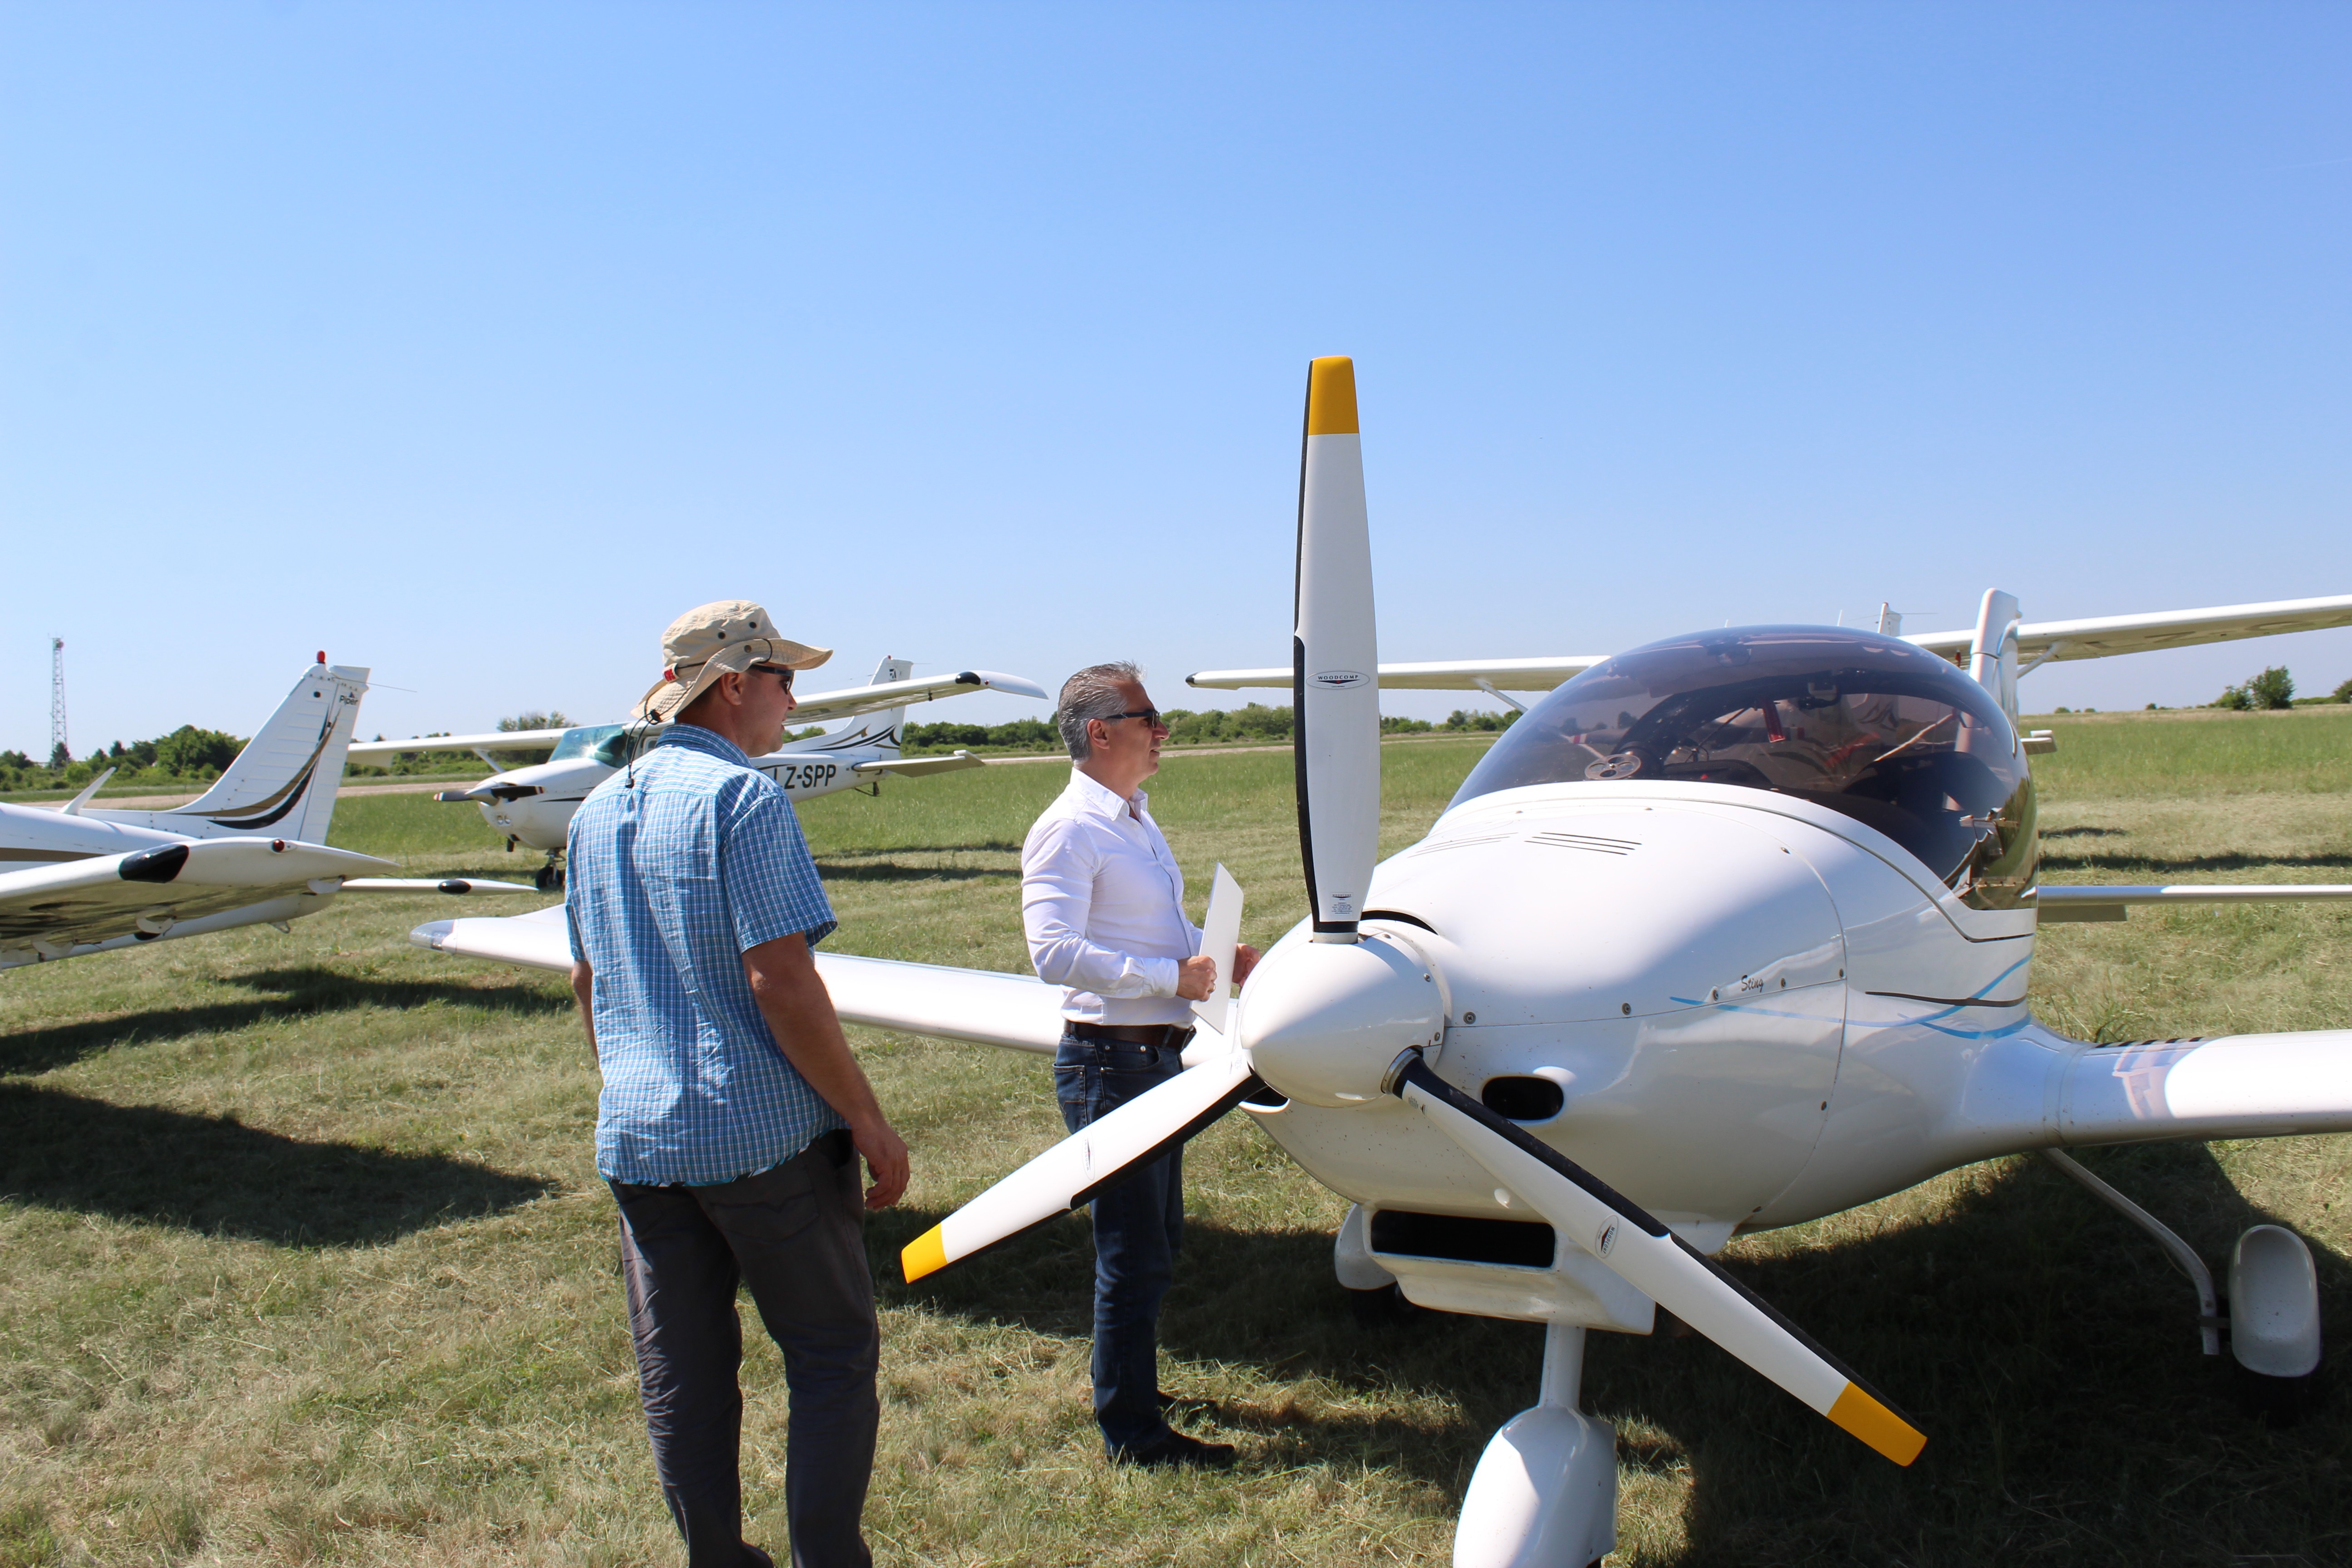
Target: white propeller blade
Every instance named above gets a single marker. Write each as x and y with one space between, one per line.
1692 1285
1073 1170
1335 659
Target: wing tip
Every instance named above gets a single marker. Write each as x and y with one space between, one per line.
1331 397
926 1254
1865 1418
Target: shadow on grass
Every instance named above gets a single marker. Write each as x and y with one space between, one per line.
2045 1345
214 1174
891 871
2048 833
2121 862
282 992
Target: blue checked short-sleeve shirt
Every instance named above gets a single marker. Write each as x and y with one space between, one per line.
676 868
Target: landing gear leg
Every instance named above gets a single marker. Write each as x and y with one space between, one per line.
1545 1492
2184 1257
550 875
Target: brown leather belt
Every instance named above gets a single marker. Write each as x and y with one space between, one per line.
1174 1035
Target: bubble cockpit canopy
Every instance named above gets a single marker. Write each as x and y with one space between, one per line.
1869 726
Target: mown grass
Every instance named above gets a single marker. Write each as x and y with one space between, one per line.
308 1261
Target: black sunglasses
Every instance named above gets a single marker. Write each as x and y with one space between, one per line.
1148 715
776 669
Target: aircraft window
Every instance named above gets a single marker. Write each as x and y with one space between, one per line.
1870 726
583 741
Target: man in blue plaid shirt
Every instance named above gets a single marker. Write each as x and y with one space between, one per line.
732 1114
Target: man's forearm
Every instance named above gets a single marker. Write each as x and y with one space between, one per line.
584 991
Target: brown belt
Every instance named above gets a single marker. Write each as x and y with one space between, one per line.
1174 1035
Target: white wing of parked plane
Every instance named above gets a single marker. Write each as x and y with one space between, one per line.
2102 636
495 741
54 909
1443 675
980 1006
2038 642
816 708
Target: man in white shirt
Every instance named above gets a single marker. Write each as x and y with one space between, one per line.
1103 903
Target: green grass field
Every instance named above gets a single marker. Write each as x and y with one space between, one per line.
306 1261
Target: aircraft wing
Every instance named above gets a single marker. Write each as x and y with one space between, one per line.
51 909
1476 675
2101 635
2098 636
822 707
433 885
495 741
816 708
2113 901
2236 1086
980 1006
923 767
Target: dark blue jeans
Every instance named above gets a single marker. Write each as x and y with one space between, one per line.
1139 1225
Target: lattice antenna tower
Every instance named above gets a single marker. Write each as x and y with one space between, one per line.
59 755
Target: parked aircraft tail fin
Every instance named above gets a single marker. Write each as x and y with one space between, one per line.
282 786
880 728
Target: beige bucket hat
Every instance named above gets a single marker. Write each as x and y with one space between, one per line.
711 640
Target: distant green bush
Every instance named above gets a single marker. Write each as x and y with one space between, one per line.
2273 687
2344 693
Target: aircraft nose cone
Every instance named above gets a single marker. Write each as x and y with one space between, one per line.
1323 1020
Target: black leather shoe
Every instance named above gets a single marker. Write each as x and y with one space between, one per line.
1177 1451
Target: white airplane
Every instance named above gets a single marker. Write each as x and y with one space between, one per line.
534 805
250 849
1731 931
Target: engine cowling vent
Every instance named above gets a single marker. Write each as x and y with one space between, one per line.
1523 1099
1591 843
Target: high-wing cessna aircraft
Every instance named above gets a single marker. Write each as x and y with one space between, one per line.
534 805
249 850
1731 931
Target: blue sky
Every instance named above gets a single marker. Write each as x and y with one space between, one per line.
472 342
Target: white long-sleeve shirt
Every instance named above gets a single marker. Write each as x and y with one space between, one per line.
1103 903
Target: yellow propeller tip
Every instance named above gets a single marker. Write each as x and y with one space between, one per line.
1331 397
1877 1426
926 1254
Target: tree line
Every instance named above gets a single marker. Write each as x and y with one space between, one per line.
1255 724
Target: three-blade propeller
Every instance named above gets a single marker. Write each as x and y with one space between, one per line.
1323 1021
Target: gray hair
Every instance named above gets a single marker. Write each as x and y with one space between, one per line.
1092 693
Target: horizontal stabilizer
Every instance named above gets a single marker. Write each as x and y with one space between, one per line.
923 767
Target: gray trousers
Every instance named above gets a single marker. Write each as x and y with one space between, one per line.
795 1233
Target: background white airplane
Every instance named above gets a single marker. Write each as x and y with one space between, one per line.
1730 932
534 805
250 849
